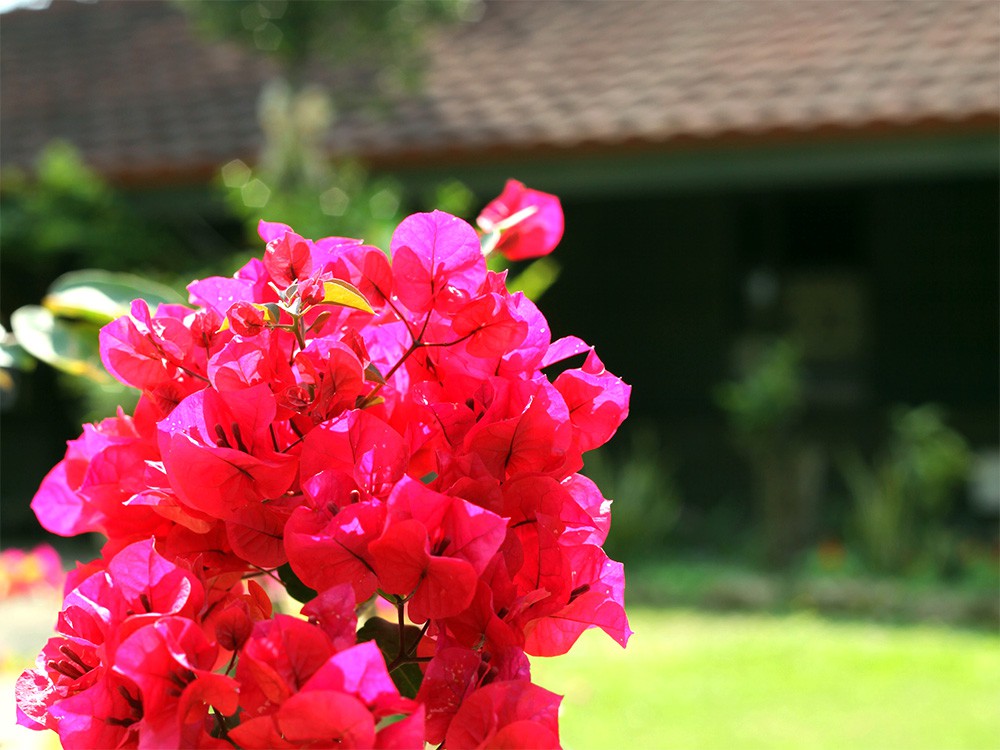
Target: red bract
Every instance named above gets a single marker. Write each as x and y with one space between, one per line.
375 438
433 549
523 428
333 611
90 488
339 705
530 222
329 546
332 377
456 672
597 400
489 325
597 598
170 661
514 714
155 353
243 362
246 319
218 451
287 259
281 654
359 445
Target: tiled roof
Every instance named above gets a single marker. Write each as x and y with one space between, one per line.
143 96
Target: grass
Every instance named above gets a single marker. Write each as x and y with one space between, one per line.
702 681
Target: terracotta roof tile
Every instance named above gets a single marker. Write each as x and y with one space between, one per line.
141 94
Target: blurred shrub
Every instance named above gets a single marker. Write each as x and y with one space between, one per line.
647 504
64 216
767 398
901 501
763 407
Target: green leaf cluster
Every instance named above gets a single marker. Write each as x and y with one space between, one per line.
768 396
902 499
64 215
64 330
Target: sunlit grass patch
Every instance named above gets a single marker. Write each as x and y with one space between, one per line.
694 680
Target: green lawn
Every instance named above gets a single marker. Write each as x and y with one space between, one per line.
693 680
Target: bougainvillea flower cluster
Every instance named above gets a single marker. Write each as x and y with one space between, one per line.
380 434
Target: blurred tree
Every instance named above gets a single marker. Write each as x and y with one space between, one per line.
380 40
376 48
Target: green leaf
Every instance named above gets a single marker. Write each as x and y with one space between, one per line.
373 375
295 588
339 292
386 635
102 296
389 721
70 346
271 310
320 321
535 279
13 356
407 677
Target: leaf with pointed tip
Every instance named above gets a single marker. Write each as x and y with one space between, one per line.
101 296
295 588
386 636
338 292
406 677
373 375
70 346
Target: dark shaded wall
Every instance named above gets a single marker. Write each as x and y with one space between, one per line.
934 259
649 283
658 284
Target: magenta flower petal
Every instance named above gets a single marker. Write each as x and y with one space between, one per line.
325 550
436 261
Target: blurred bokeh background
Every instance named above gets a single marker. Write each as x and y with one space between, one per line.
781 229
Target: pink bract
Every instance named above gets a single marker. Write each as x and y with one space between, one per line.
355 428
536 234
